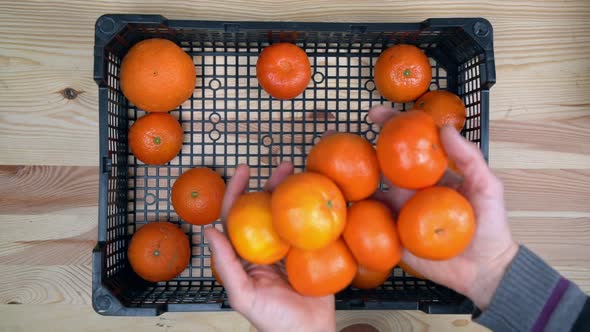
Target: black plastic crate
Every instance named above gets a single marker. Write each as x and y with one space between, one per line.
231 120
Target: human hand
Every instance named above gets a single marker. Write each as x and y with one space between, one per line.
262 293
477 272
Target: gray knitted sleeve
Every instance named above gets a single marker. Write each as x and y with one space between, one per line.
532 296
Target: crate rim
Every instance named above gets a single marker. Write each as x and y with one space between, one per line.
108 25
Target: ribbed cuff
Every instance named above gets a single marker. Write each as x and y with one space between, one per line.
522 294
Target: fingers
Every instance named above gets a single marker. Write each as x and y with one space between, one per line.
465 154
420 265
230 270
383 197
468 160
399 197
395 197
236 187
278 175
239 183
451 179
380 114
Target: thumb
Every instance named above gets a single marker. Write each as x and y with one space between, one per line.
464 154
470 162
230 269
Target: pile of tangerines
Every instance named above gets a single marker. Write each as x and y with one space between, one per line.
322 223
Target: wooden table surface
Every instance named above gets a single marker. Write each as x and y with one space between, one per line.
540 146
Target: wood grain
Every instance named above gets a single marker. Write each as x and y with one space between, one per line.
570 257
34 189
65 223
35 284
63 131
540 144
540 131
64 251
28 189
405 321
69 317
546 190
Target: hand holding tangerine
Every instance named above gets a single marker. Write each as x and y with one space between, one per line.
260 292
477 271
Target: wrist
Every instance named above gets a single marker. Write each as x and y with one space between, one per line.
488 277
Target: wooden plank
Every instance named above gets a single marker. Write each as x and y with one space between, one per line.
49 226
41 270
61 238
41 189
508 155
545 234
541 231
63 131
343 10
404 321
66 317
546 190
35 284
558 143
73 250
75 318
26 189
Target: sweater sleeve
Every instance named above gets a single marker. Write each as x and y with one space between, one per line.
532 296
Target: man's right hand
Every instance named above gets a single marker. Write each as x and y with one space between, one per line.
477 272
